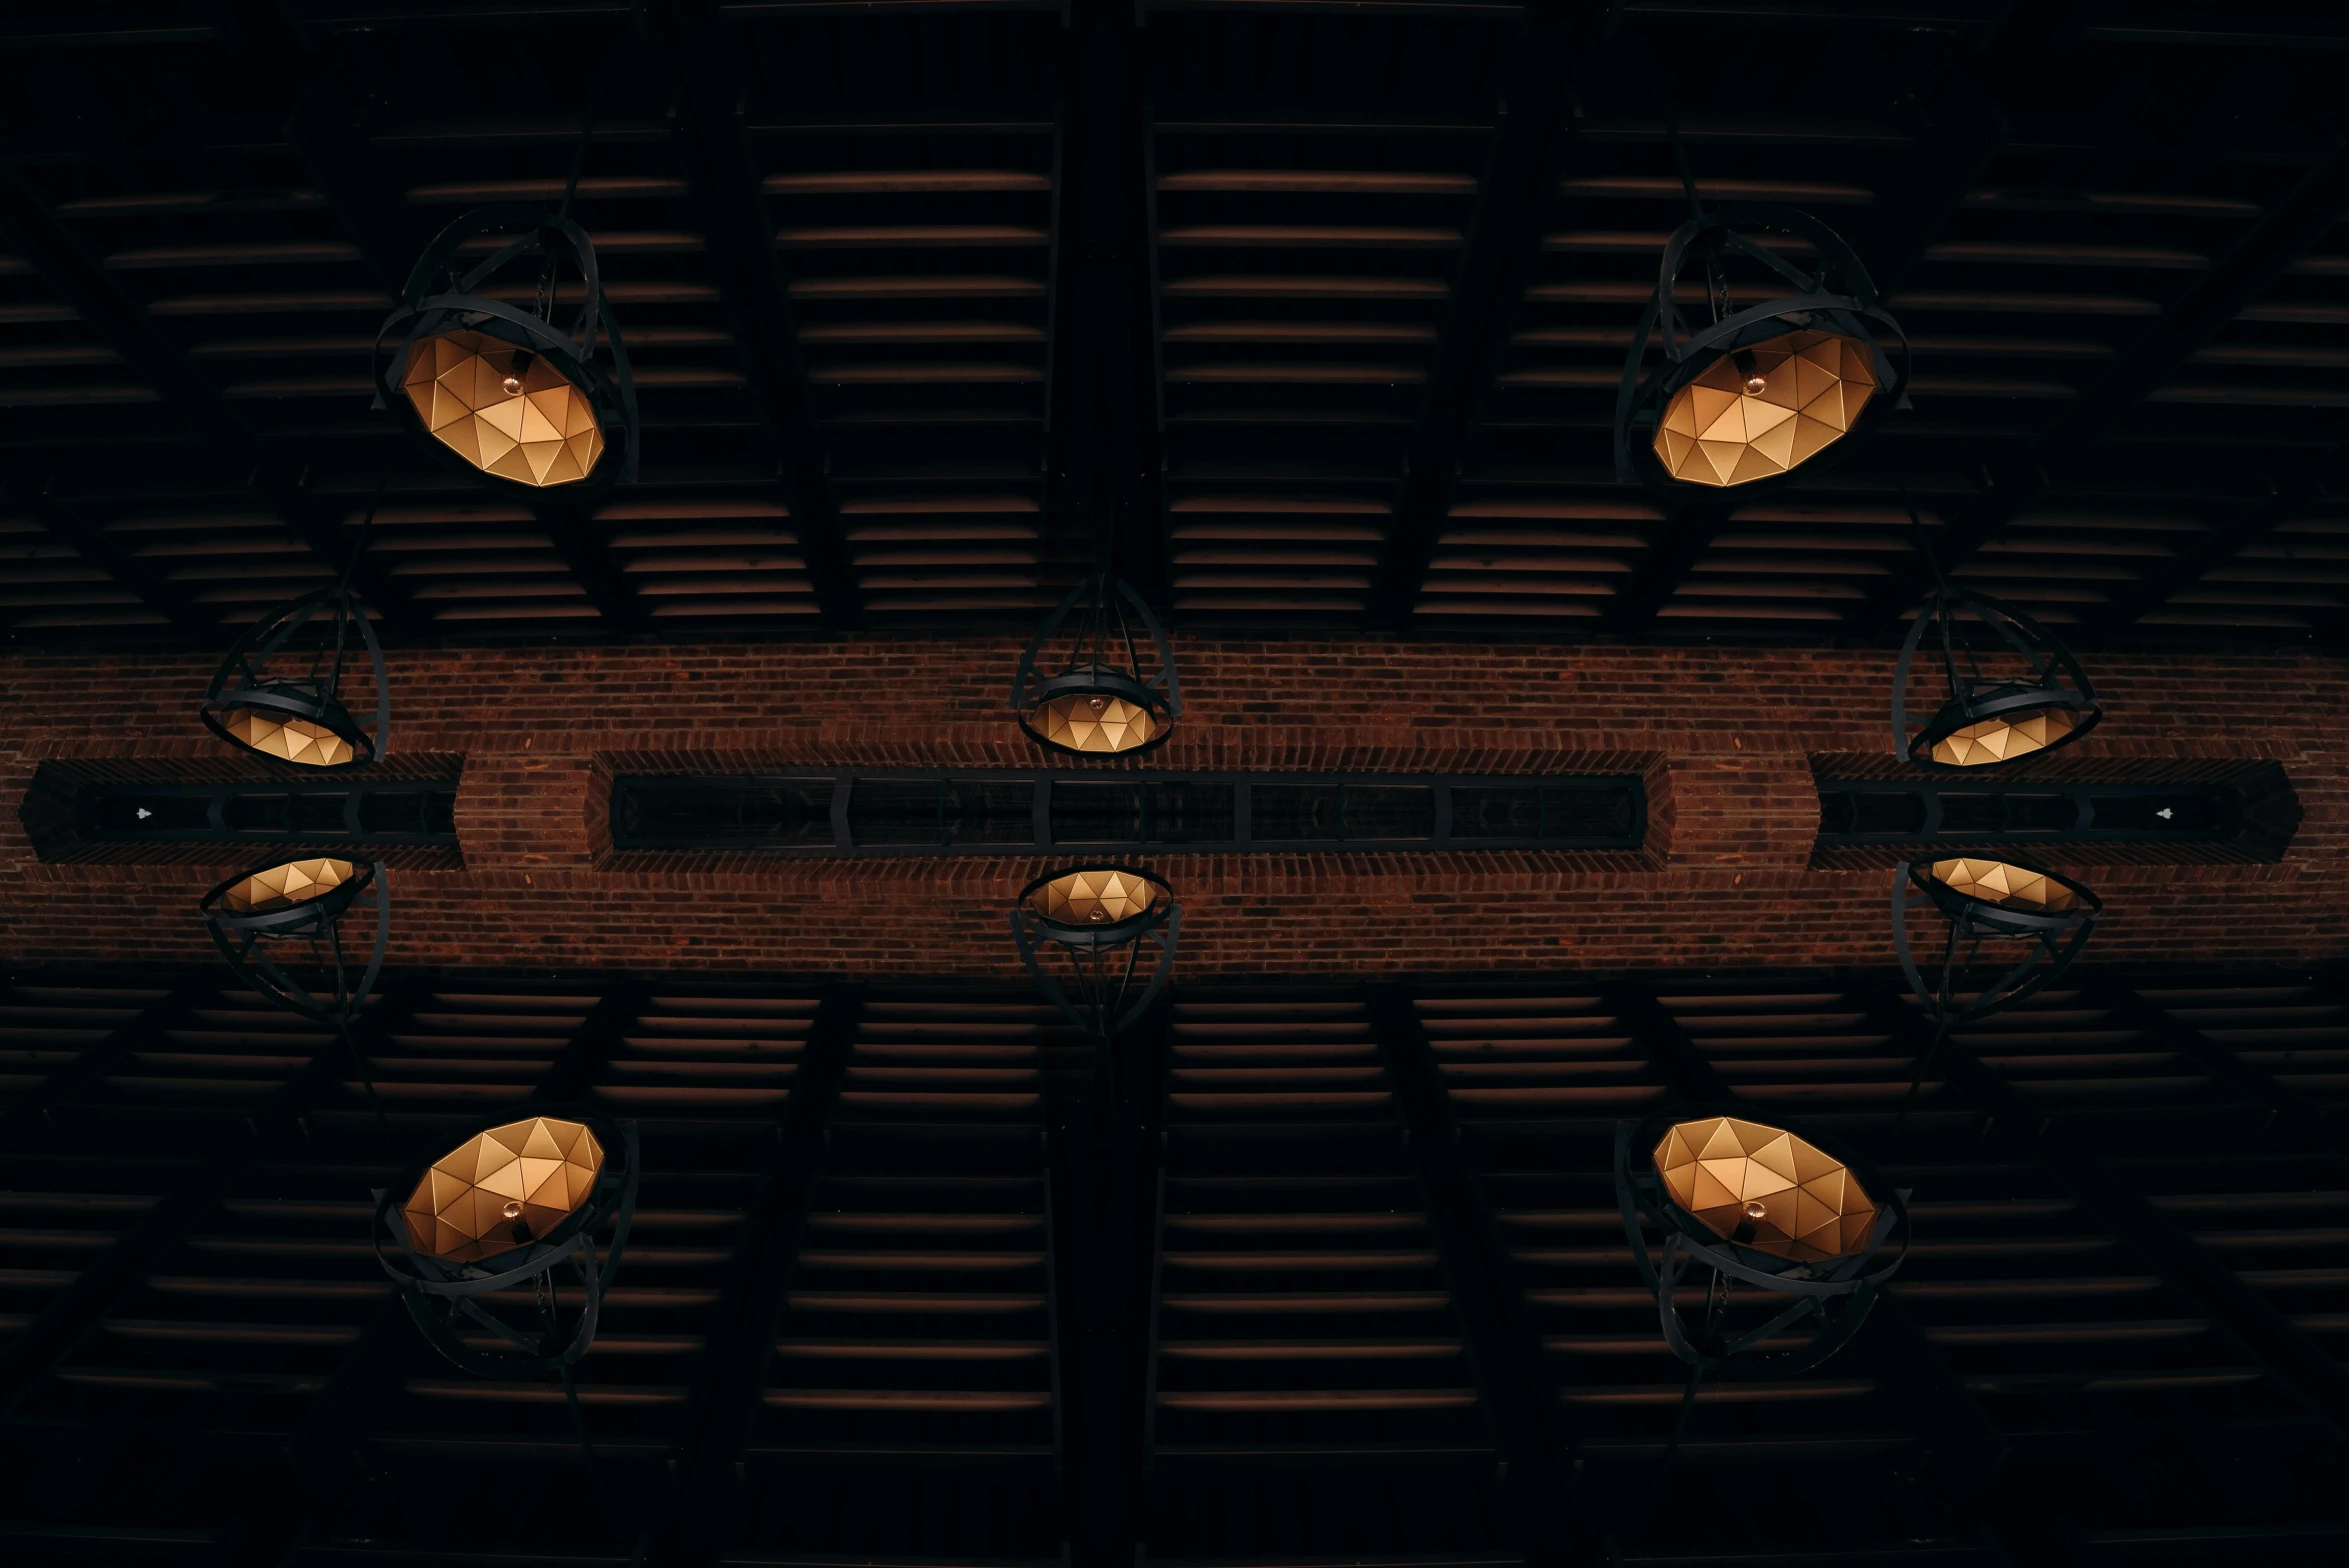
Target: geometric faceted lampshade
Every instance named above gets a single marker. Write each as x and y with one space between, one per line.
1760 411
2007 886
2010 688
1097 896
286 738
493 1217
502 1188
1744 398
503 392
1765 1188
284 886
1755 1205
1082 722
503 409
1092 915
1099 703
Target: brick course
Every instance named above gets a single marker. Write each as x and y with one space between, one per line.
1724 736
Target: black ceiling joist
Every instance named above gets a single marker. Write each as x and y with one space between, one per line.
725 192
2304 216
1515 196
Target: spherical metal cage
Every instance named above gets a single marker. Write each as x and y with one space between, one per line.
1835 1294
592 358
1100 703
1838 301
1100 997
245 937
2043 700
2047 916
256 705
444 1299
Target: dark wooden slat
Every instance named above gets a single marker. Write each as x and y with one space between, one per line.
35 493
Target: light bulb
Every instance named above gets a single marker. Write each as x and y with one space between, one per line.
1098 705
1756 1209
512 386
512 1210
1755 385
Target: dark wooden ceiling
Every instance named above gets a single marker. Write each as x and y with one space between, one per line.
1337 1280
1320 306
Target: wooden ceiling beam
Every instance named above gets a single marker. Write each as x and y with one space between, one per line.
725 191
1517 189
91 542
2297 223
60 260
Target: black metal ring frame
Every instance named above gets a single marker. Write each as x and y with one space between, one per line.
1106 1012
243 940
439 1295
1641 398
1840 1293
1103 625
243 681
2055 937
425 310
1972 701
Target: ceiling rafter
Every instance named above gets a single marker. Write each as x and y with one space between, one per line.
121 566
61 261
1516 192
2310 211
723 188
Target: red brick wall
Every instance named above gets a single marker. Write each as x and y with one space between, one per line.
1724 735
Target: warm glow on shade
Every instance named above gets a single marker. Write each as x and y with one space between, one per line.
286 738
282 887
1719 431
1097 898
2005 738
1765 1188
502 409
505 1188
1096 723
1996 882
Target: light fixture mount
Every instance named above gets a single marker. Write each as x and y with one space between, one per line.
1748 398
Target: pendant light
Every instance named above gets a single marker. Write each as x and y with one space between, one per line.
278 693
500 1209
505 393
1744 398
259 919
2012 930
1762 1206
1098 702
2030 697
1097 918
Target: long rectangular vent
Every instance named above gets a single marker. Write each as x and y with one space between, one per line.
2241 811
1001 812
390 811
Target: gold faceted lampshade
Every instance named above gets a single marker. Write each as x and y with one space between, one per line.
503 409
1096 722
286 737
503 1189
1765 1188
1756 414
1996 882
2005 738
282 887
1096 898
